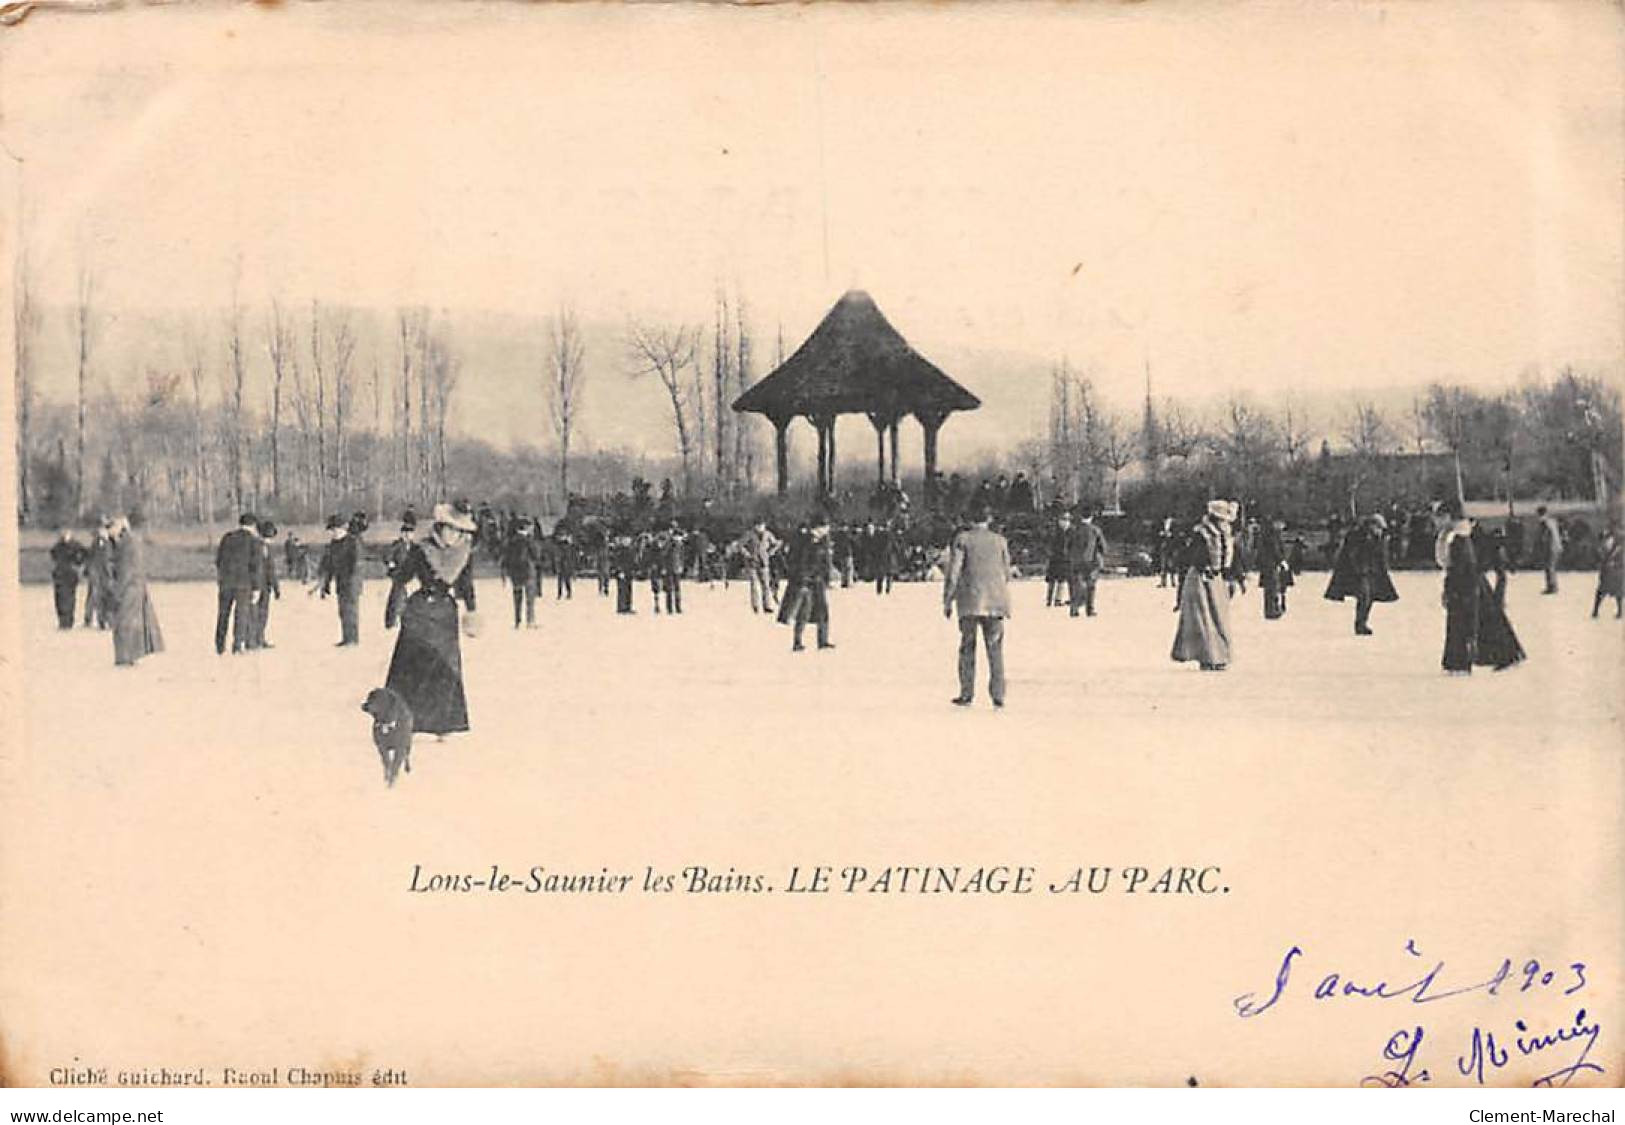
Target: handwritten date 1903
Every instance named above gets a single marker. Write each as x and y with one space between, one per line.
1434 984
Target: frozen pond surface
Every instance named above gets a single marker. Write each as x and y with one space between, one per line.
226 818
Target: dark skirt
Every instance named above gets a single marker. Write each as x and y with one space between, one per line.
1204 621
1460 634
1498 645
427 668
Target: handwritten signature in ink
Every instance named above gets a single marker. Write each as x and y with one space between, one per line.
1486 1054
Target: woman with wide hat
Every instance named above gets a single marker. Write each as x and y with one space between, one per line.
427 668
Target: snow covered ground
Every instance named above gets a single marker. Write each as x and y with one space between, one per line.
205 869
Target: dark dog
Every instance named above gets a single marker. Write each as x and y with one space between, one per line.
391 730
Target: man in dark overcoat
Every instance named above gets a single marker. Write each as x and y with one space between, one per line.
1085 559
522 566
341 572
67 557
268 587
812 559
238 562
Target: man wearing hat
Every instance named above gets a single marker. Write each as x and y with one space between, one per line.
268 587
522 566
1361 571
978 585
67 556
1549 549
1085 559
237 568
341 568
810 566
394 556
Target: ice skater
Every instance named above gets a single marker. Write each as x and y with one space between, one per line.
1085 559
1274 570
1361 571
394 555
811 561
426 669
67 557
101 593
1610 573
1549 548
268 587
341 571
977 583
238 561
758 546
135 621
522 566
1203 635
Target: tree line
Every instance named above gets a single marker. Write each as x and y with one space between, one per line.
280 410
1557 438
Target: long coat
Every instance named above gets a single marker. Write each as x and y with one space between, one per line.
341 567
426 669
1085 546
135 623
238 561
1203 634
978 578
1362 558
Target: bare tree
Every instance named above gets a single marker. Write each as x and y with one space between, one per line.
440 372
234 390
744 458
26 318
1370 437
1182 436
343 396
84 331
1118 447
410 331
666 351
562 384
375 469
1445 414
279 346
721 374
1293 428
195 349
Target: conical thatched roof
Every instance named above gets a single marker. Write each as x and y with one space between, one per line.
855 362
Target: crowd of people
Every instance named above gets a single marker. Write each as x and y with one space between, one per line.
789 571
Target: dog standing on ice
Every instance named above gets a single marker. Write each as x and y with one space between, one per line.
391 730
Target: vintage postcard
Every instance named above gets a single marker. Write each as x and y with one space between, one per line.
807 544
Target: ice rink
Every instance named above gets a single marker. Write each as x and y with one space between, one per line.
226 817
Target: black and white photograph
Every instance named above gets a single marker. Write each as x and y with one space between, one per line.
812 545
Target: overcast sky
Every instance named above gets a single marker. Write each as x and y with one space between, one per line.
1259 197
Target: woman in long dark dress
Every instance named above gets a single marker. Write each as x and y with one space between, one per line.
135 622
427 667
1461 583
1498 645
